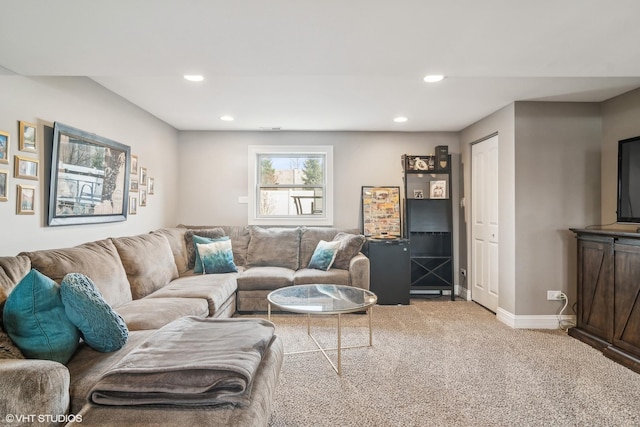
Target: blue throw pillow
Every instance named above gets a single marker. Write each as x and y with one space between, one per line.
324 255
102 328
35 320
217 256
197 267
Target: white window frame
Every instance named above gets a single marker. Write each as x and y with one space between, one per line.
255 151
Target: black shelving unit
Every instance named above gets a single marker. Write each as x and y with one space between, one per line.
429 224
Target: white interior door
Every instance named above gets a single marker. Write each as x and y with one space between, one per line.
484 224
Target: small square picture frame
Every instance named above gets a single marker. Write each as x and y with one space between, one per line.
133 184
418 194
4 185
4 147
26 167
28 137
438 189
26 200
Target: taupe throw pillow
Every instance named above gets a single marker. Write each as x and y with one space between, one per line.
274 247
350 245
212 233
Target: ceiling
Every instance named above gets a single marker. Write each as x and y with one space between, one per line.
329 64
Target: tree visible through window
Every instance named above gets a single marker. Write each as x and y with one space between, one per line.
291 185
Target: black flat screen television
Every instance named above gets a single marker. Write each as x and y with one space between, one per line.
629 180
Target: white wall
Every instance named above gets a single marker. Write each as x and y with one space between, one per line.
82 103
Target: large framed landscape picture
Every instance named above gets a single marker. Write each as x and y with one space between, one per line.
89 178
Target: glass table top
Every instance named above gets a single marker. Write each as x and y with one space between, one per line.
322 299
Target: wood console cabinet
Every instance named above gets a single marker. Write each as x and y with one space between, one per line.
608 316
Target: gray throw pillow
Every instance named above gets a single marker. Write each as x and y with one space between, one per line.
274 247
350 245
211 233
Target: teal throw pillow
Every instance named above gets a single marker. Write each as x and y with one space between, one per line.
197 267
102 328
217 256
35 320
324 255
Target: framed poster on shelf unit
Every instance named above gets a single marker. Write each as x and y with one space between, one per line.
381 211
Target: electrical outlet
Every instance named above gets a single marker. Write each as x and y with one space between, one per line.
463 272
554 296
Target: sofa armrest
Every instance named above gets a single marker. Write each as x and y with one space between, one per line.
35 388
359 271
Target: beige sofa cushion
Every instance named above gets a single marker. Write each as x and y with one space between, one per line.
97 260
216 289
175 236
350 245
153 313
12 271
311 276
274 247
148 261
265 278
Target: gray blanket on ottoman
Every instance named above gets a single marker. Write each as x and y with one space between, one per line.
191 361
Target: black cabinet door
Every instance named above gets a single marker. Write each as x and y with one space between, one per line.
390 270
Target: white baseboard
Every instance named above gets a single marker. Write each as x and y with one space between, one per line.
546 321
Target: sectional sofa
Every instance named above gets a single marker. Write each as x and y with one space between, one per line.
149 281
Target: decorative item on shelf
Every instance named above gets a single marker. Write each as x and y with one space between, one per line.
4 184
438 189
381 211
25 167
4 147
28 137
26 200
418 194
151 184
442 157
419 163
89 178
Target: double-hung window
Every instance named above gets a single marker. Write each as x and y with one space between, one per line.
291 185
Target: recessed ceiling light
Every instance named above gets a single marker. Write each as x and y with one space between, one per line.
227 118
432 78
400 119
194 77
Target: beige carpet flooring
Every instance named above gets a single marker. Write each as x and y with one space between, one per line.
443 363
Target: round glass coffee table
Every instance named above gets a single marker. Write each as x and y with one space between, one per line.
323 300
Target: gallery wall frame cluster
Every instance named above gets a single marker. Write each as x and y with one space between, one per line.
90 178
141 185
26 166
